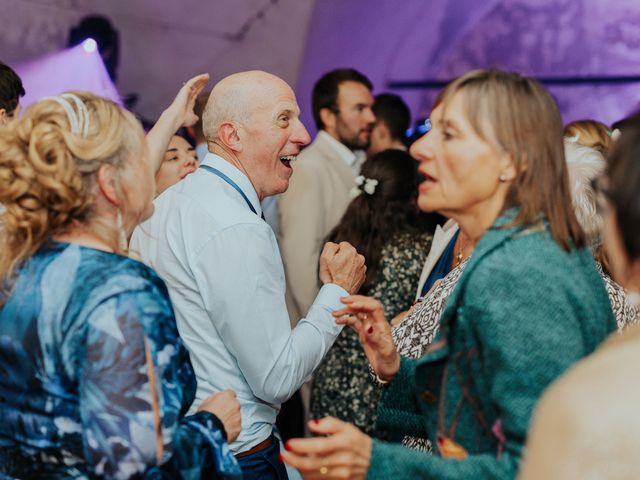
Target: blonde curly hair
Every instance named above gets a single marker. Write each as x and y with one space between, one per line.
48 174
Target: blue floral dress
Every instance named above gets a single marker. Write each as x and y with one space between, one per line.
94 379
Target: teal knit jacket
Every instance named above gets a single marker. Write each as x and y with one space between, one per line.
522 313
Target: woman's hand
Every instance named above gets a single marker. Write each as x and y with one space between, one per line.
226 407
178 114
181 109
365 316
342 451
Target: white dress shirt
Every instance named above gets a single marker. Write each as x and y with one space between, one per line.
226 281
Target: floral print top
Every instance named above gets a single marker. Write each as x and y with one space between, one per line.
342 386
94 379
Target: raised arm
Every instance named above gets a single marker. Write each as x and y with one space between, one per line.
178 114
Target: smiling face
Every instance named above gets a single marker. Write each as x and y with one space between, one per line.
180 160
461 169
352 120
272 137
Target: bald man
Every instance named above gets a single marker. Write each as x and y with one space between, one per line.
221 263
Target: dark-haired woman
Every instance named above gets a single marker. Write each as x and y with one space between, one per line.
383 223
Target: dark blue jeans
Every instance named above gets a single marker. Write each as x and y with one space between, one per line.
264 465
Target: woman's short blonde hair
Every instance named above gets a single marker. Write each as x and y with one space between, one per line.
48 174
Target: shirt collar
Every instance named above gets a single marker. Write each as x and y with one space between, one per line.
234 173
345 153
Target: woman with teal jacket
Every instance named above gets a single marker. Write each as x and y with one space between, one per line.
529 304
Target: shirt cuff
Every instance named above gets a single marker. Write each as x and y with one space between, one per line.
329 296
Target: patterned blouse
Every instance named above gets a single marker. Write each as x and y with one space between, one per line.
94 379
416 332
342 386
625 312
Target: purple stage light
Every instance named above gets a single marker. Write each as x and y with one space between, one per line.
70 69
90 45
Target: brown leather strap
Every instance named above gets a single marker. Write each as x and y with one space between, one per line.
259 447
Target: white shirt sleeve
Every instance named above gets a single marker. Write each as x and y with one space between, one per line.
241 279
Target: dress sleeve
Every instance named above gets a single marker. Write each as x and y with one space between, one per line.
131 397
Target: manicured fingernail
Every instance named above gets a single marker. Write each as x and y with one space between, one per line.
370 329
316 421
280 457
287 446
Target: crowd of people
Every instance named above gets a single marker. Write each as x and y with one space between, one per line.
174 303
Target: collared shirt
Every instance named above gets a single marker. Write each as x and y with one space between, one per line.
354 159
226 281
201 151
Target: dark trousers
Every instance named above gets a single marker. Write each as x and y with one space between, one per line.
264 465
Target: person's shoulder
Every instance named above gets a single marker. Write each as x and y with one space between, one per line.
603 378
528 253
122 273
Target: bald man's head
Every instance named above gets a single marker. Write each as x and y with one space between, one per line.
252 120
236 97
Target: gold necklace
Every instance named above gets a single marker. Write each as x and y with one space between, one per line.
460 256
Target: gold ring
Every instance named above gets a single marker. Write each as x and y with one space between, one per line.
324 470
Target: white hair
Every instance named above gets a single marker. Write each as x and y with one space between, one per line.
584 165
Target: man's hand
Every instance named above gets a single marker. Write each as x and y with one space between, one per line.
343 265
226 407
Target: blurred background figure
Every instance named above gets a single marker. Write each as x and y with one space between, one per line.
392 122
11 90
589 133
383 223
585 165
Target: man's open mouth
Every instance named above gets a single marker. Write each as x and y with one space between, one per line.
287 159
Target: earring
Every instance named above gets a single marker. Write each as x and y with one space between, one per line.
122 235
502 178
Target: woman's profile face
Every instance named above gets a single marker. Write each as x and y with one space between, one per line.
461 169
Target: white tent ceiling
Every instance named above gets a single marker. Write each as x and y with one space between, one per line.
164 42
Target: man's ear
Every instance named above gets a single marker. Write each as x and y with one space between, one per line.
4 118
107 184
383 131
230 136
328 118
